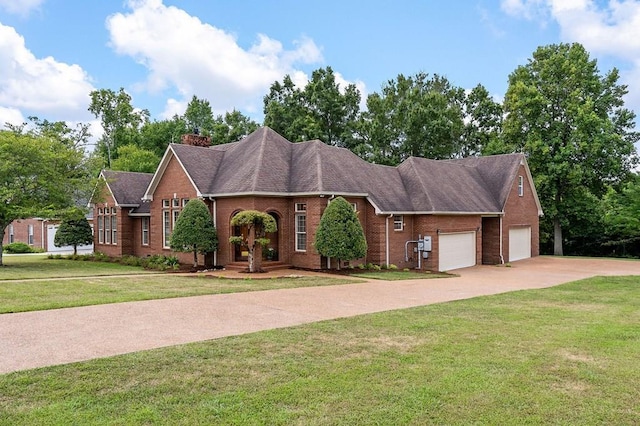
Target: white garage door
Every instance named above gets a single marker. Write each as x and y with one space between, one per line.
457 250
519 243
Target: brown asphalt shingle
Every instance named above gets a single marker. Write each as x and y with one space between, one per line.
266 163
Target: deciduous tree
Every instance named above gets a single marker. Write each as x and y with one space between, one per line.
571 122
414 116
120 121
194 230
39 176
132 158
321 110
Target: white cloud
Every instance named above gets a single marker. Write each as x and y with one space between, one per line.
20 7
43 86
610 28
181 52
12 116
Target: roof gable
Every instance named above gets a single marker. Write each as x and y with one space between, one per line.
127 188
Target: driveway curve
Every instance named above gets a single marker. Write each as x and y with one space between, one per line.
43 338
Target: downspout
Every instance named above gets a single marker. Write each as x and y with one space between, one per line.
42 236
501 255
386 237
215 224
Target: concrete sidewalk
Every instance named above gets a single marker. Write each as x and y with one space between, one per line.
36 339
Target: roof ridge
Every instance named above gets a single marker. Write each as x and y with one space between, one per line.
316 148
260 165
412 164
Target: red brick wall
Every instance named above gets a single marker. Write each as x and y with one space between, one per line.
107 202
21 232
491 241
174 184
521 211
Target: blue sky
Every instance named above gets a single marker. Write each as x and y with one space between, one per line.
54 52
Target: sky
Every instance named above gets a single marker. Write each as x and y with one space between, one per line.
53 53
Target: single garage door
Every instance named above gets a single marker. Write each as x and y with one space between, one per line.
519 243
457 250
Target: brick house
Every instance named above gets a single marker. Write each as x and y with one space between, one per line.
38 233
436 215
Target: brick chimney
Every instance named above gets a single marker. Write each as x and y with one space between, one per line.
196 140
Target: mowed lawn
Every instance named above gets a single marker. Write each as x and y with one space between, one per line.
29 283
562 355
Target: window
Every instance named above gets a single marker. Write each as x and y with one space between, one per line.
145 231
100 228
114 229
398 222
166 228
184 201
107 228
355 206
30 233
301 227
11 234
176 214
520 186
175 203
165 204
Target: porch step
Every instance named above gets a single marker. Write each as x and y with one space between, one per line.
266 266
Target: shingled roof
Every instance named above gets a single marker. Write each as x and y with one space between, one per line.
265 163
128 188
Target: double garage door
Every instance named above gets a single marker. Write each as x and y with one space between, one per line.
456 250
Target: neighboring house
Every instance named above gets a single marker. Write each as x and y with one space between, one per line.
38 233
475 210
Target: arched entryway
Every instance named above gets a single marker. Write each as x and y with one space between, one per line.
240 253
271 252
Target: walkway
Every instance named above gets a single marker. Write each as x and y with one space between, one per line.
35 339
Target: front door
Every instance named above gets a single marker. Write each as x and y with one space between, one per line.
240 253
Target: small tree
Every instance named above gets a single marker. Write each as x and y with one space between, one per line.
194 231
340 234
74 230
258 224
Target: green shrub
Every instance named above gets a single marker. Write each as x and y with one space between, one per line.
392 266
375 267
18 247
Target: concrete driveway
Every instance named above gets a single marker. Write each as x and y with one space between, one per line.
36 339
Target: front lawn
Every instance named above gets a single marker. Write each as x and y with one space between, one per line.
563 355
396 275
20 267
22 296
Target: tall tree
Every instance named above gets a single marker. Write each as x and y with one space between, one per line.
483 122
321 110
156 135
39 175
571 122
74 230
120 121
414 116
232 127
258 224
340 234
132 158
199 116
194 231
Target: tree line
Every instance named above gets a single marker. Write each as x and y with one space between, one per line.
559 109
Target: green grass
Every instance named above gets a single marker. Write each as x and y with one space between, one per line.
23 296
562 355
20 267
399 275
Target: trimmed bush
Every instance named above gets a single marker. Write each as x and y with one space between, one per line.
18 247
